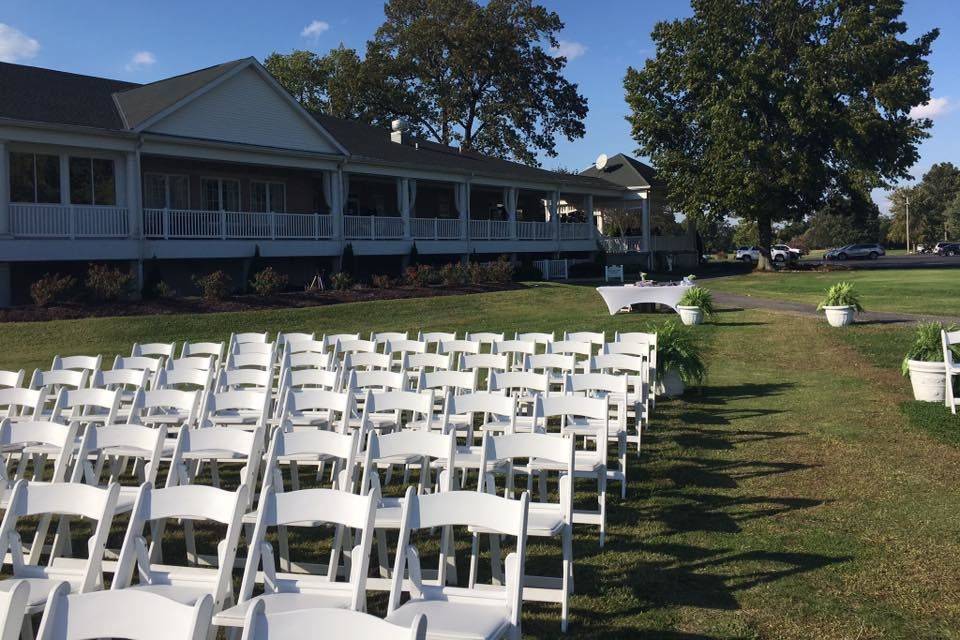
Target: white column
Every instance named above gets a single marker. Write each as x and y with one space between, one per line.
510 203
588 214
4 190
555 214
403 202
646 222
132 193
464 212
64 179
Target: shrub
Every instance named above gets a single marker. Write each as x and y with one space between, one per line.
269 282
679 350
698 297
841 294
52 288
163 290
454 275
105 283
927 345
341 281
420 275
500 271
213 286
382 282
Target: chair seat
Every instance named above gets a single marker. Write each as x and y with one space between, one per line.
388 513
447 619
583 462
177 593
213 454
40 589
281 603
543 521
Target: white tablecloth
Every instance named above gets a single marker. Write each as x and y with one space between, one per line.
620 297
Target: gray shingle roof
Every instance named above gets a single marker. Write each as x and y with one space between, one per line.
57 97
625 171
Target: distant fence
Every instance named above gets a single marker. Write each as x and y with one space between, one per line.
553 269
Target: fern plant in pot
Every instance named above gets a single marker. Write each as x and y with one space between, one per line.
679 360
695 305
840 304
923 362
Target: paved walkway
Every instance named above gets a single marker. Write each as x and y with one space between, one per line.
785 306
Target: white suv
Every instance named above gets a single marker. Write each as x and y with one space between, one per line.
783 253
748 254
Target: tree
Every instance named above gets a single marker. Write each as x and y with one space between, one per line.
763 109
932 202
478 74
745 234
716 233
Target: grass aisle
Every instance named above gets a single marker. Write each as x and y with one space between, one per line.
788 500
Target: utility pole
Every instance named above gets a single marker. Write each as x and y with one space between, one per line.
907 199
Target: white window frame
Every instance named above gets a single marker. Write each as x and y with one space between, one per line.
36 182
267 184
220 182
166 186
93 180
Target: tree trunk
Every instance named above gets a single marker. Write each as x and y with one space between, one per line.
765 232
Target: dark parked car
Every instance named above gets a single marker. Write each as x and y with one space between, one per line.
871 251
949 249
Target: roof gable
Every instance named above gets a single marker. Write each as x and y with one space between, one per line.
243 105
625 171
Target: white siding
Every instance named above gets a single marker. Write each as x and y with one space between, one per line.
245 109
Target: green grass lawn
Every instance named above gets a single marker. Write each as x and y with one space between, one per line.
931 291
791 497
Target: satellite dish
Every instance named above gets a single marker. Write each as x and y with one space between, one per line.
601 162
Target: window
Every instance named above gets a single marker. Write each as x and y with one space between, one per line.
217 194
92 181
34 177
268 196
166 192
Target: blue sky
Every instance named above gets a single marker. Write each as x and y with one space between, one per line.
143 41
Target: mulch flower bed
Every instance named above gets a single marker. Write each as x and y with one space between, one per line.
170 306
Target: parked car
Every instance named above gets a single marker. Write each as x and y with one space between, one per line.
871 251
949 249
748 254
784 253
940 247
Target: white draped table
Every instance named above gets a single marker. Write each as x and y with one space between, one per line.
619 297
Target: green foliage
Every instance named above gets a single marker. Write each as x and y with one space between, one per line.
420 275
163 290
927 345
214 285
679 349
382 282
454 274
841 294
107 283
269 282
52 288
341 281
761 110
698 297
745 234
934 207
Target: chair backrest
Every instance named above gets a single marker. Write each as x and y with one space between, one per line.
455 347
249 337
649 338
405 346
355 346
434 338
383 337
575 347
334 406
18 402
87 405
165 349
212 349
14 435
57 379
551 363
427 361
485 337
426 445
124 379
332 506
596 384
619 363
240 379
488 362
419 404
11 379
542 446
153 364
304 345
193 502
336 623
537 337
132 614
597 338
519 382
367 361
77 363
950 341
307 360
226 405
287 337
330 340
250 360
205 362
443 381
119 443
378 380
260 348
324 379
461 508
243 447
29 500
500 406
341 447
515 350
641 349
13 605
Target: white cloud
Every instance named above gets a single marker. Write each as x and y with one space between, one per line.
314 29
140 60
933 109
568 49
16 45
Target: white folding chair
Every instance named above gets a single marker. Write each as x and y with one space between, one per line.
588 463
359 383
201 349
87 406
41 441
18 403
248 338
128 382
582 350
443 383
317 408
132 614
243 409
538 337
151 364
288 591
950 341
243 380
545 519
204 362
456 348
165 350
525 387
330 340
256 359
13 605
382 338
494 409
595 338
613 389
77 363
336 623
556 366
457 612
185 584
637 371
61 500
434 338
414 363
485 338
171 408
649 339
287 337
515 350
367 361
400 349
484 364
11 379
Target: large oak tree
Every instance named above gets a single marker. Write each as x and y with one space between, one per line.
766 109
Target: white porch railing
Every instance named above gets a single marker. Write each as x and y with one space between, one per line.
68 221
489 230
535 231
373 227
234 225
552 269
575 231
625 244
435 228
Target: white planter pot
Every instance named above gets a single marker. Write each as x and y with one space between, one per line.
928 379
671 385
690 315
839 316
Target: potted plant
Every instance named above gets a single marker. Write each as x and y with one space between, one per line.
679 360
695 305
840 303
923 363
